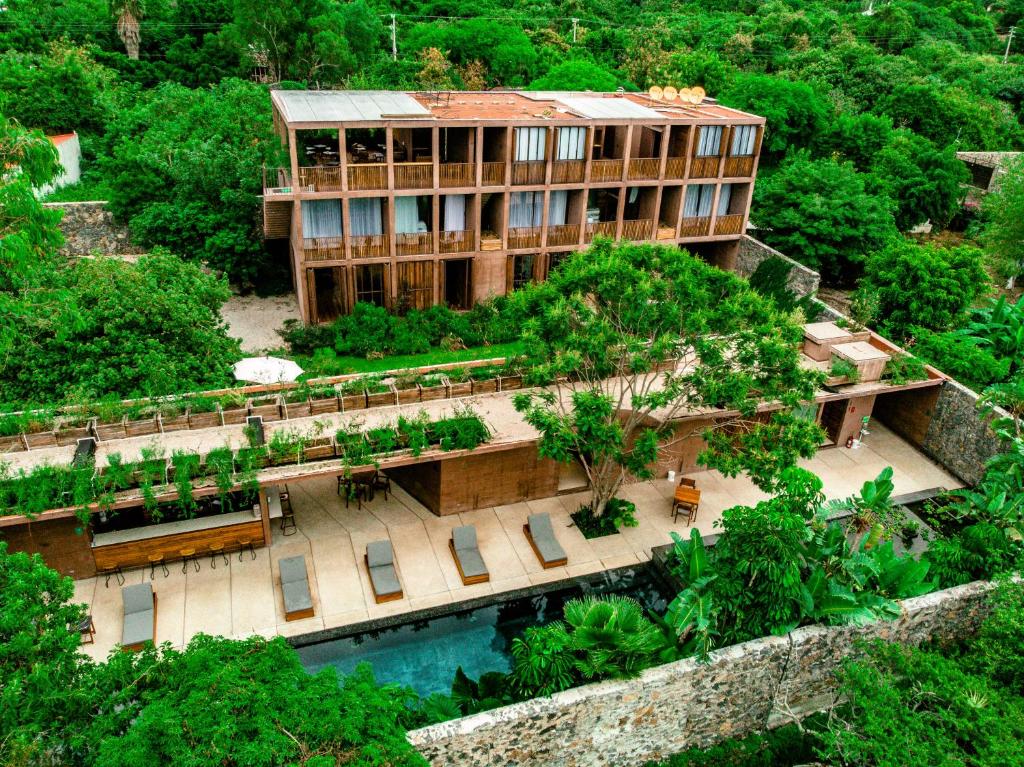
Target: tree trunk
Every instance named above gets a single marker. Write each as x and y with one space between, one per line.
606 479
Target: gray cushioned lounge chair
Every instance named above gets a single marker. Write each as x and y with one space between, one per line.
542 538
467 555
139 624
380 562
298 602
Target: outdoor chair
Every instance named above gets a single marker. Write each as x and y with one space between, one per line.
542 539
382 481
467 557
298 602
139 624
380 564
687 498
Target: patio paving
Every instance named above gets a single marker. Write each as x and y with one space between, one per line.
243 597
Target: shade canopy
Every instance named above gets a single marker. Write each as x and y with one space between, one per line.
266 370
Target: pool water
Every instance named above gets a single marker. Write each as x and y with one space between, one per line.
424 654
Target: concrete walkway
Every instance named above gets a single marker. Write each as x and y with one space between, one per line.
244 597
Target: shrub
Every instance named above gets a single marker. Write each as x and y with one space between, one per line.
979 551
960 356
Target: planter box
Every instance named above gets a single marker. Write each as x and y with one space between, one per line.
324 405
428 393
174 422
870 362
666 366
41 439
508 383
406 396
204 420
108 431
820 337
11 444
297 409
318 449
353 402
380 399
69 435
142 427
234 415
487 386
269 411
460 389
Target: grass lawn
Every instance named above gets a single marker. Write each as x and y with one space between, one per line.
323 364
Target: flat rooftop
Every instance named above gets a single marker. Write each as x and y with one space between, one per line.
310 108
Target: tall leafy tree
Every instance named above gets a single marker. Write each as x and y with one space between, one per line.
1004 225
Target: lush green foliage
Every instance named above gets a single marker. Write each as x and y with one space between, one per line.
1004 229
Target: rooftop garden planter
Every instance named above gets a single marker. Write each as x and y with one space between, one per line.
407 390
203 413
267 407
323 399
459 383
141 422
433 386
72 428
379 394
317 449
353 395
510 382
110 420
233 408
296 403
10 443
173 416
38 429
485 379
285 447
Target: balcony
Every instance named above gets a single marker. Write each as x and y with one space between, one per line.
363 177
457 174
494 174
323 248
565 234
524 237
277 181
369 246
736 167
528 172
695 227
602 171
731 224
456 241
567 171
705 167
320 178
639 229
675 168
644 168
414 175
414 244
599 228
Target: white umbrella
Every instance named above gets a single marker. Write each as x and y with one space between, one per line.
266 370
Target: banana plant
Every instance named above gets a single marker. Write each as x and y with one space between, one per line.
692 613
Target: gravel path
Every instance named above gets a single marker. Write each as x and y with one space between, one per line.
256 319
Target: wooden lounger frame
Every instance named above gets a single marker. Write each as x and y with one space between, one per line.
299 614
387 597
471 579
139 645
546 565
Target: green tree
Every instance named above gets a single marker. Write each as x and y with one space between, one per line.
504 49
819 212
577 76
1003 233
608 316
56 93
700 67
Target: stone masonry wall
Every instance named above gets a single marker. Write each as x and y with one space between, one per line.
958 437
687 704
89 226
802 281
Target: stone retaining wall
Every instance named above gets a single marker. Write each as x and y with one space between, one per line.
958 436
89 226
802 281
685 704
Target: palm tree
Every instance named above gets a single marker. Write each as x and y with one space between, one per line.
128 14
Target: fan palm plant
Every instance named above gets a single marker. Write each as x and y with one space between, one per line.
129 16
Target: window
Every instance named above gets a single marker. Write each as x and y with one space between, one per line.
370 284
724 197
557 206
572 143
526 209
743 137
364 216
698 200
530 144
321 218
554 259
522 271
709 141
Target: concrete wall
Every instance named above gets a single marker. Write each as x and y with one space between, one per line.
687 704
88 227
802 281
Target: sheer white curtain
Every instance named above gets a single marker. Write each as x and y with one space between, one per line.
697 203
743 140
556 208
572 143
709 140
530 144
364 216
454 212
407 215
525 209
321 218
724 196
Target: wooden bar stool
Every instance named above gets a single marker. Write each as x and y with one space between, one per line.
243 544
217 549
154 560
188 555
115 570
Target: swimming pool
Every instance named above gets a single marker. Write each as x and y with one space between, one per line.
423 654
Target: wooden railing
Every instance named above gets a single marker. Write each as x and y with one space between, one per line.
564 234
567 171
494 174
644 168
665 231
640 229
605 170
736 167
528 172
730 224
367 177
458 174
323 248
675 167
524 237
458 241
704 167
695 227
369 246
320 178
603 228
277 181
414 175
414 243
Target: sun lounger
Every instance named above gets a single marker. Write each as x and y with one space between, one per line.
467 556
298 602
542 538
139 616
380 563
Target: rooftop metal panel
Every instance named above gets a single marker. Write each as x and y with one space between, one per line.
346 106
609 108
